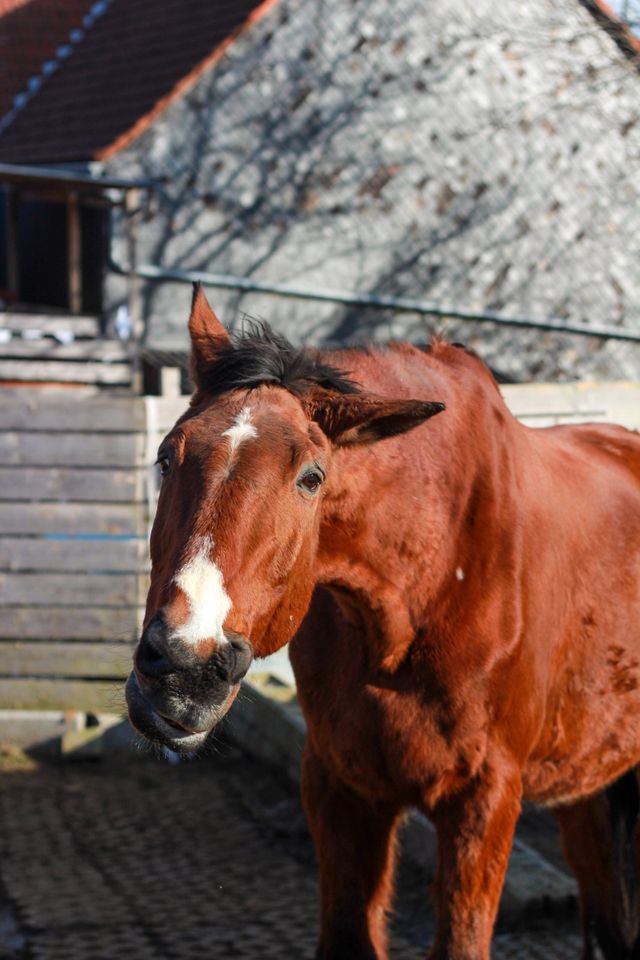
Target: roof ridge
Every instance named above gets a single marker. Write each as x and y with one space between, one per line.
51 66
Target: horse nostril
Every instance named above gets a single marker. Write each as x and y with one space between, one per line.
232 659
150 661
243 657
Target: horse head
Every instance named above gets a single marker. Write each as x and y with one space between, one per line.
234 545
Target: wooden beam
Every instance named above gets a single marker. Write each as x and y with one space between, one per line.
74 251
131 206
12 235
47 348
84 326
40 449
171 381
71 623
106 519
26 693
82 589
63 371
53 409
68 484
32 659
73 555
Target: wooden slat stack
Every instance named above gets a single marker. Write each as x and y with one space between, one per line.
73 525
60 348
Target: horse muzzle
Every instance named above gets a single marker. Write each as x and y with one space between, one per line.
174 697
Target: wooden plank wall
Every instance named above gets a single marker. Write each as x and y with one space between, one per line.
61 348
76 498
547 404
73 546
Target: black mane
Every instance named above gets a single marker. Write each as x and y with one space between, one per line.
261 356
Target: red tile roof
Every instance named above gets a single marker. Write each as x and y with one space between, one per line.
134 60
30 32
615 25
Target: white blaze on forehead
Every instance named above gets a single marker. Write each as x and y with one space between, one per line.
202 583
242 429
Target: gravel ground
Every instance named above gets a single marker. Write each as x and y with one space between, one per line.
132 857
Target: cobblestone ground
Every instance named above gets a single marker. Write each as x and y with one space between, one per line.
134 858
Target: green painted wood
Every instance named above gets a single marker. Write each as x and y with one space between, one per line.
88 660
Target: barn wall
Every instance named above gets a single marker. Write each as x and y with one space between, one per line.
475 154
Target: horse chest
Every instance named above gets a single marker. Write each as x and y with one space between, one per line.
388 744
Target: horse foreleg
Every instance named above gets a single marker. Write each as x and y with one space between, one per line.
475 833
601 842
355 850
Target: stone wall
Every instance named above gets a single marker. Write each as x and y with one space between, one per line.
477 154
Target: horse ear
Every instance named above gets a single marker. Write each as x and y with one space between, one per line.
207 334
349 420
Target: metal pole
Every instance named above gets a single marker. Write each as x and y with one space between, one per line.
397 304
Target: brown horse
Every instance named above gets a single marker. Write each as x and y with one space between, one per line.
463 599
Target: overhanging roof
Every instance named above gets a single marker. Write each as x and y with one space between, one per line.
23 175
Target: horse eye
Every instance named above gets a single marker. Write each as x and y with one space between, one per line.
164 464
311 481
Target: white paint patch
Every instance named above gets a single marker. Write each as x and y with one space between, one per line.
241 430
202 583
459 573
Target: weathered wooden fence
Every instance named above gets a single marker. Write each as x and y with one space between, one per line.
76 497
61 348
75 501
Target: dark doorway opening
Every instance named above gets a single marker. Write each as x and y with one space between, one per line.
43 252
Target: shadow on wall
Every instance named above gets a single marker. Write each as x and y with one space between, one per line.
409 151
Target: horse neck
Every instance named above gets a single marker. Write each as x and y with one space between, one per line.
413 515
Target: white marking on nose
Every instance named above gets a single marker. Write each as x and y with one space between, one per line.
459 573
242 429
202 583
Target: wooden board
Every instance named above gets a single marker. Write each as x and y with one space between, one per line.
162 412
98 696
19 447
115 519
60 483
84 326
73 555
545 404
27 659
60 371
105 351
51 408
81 589
71 623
